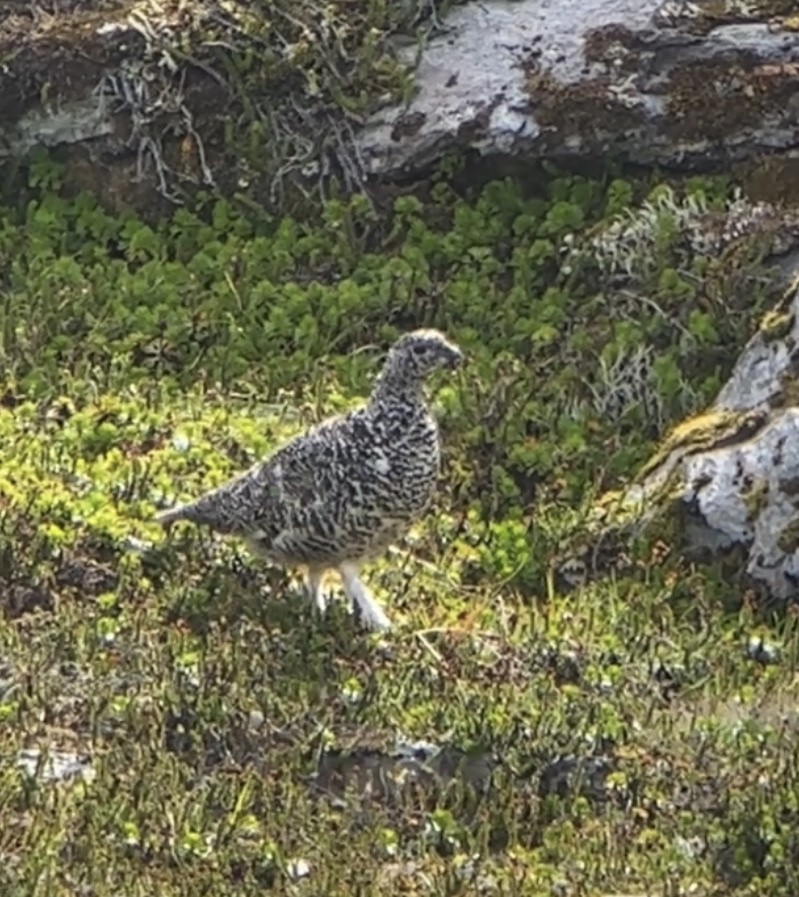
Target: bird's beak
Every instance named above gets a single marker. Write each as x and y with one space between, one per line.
454 359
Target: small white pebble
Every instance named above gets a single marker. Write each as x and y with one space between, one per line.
298 869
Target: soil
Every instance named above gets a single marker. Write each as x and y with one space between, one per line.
54 55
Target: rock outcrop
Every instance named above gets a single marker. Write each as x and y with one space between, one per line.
670 83
726 482
148 101
149 98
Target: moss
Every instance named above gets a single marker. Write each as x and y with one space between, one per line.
618 522
776 325
711 101
778 322
712 429
788 539
755 498
594 111
770 178
705 100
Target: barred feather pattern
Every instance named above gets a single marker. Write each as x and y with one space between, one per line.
346 490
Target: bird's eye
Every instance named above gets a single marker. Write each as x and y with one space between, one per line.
418 350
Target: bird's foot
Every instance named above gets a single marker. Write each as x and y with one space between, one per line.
319 599
371 613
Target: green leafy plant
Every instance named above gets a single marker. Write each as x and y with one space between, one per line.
216 736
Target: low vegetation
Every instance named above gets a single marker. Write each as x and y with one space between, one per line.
174 720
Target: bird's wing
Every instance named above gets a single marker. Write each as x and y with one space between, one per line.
309 473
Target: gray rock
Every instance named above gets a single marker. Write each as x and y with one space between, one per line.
386 773
671 82
668 83
729 478
83 119
55 766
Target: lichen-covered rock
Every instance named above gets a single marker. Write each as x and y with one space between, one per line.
147 101
728 479
162 97
656 82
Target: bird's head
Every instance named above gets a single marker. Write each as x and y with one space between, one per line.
416 355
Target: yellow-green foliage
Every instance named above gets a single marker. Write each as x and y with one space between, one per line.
141 365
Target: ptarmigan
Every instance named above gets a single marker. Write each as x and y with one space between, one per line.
341 493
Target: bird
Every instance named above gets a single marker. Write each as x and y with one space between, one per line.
340 494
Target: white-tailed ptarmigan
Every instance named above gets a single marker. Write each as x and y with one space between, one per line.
340 494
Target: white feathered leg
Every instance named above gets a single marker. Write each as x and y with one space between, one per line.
315 593
372 614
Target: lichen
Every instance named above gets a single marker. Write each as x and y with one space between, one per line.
715 428
701 16
788 539
251 99
613 46
755 498
738 234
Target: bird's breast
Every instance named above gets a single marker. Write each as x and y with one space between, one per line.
407 466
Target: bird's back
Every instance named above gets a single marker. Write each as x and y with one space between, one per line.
344 490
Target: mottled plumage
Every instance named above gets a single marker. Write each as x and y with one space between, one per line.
342 493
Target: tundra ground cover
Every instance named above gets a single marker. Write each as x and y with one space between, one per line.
636 735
